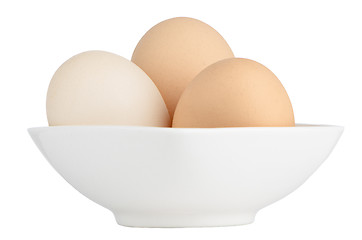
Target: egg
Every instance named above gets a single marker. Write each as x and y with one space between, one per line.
102 88
234 92
174 51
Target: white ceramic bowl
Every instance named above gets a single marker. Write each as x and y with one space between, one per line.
164 177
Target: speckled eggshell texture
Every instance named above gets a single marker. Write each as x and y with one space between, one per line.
234 92
174 51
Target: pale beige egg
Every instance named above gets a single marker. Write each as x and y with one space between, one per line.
174 51
101 88
234 93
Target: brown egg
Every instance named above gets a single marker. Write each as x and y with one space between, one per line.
234 92
174 51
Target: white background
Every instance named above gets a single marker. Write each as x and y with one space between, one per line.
314 47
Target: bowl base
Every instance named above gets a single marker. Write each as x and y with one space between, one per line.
183 221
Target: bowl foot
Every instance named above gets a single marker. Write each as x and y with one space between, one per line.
182 221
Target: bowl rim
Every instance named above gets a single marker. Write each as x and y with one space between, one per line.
298 127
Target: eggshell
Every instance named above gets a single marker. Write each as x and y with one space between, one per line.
234 93
101 88
174 51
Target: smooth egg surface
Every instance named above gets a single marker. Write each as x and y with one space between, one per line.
174 51
234 92
102 88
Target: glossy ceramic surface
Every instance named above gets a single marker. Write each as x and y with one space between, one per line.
164 177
